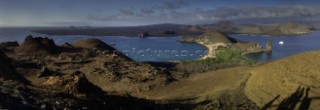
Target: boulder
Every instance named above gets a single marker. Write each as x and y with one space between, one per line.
44 72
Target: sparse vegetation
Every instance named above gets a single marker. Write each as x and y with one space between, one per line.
231 56
225 58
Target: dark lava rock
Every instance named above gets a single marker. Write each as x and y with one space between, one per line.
9 44
73 83
38 46
7 71
143 34
169 33
93 44
99 46
44 72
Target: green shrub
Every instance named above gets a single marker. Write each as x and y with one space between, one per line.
225 58
229 56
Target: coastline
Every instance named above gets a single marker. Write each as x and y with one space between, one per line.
274 35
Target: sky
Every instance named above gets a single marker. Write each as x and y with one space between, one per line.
143 12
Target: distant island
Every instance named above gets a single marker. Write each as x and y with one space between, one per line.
165 30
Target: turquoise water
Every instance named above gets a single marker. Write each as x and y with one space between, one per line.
169 49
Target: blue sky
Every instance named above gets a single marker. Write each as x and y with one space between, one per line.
143 12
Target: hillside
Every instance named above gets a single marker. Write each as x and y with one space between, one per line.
214 39
286 83
282 29
282 78
81 77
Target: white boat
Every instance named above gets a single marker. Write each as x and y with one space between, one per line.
281 42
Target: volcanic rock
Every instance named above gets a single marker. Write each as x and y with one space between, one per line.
93 44
73 83
9 44
210 37
38 46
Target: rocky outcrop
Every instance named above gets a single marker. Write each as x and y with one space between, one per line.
143 34
9 44
92 43
269 46
38 46
5 69
249 47
98 46
213 37
73 83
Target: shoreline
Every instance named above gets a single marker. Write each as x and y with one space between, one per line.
134 32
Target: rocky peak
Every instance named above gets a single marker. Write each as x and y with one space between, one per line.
38 45
92 43
213 36
9 44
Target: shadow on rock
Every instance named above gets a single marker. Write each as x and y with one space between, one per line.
301 95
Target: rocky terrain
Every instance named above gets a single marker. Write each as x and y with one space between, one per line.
89 74
81 75
285 84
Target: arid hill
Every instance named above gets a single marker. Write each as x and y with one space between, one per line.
214 39
282 29
92 43
289 83
292 80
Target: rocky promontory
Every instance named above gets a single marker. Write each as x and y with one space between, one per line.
37 45
214 39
